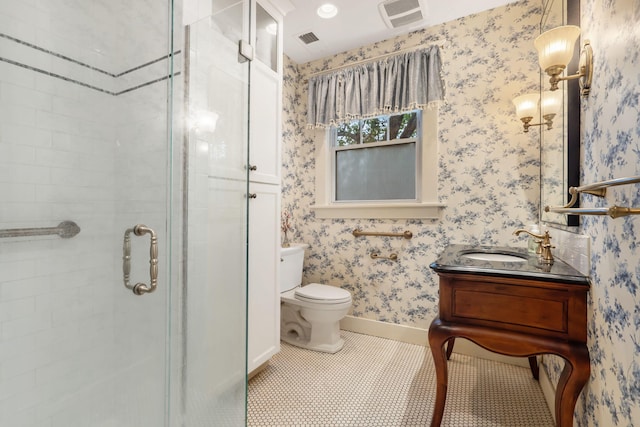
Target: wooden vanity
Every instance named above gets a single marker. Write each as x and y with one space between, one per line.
517 309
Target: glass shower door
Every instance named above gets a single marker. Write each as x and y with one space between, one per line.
216 110
84 137
119 126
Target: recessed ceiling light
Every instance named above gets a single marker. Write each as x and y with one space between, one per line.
327 11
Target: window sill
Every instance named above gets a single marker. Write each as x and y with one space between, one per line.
379 210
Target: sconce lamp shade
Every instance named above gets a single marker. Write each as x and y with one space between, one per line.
551 102
555 47
526 105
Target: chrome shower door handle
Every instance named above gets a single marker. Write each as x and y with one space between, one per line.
140 288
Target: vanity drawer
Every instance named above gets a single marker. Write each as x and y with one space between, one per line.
529 306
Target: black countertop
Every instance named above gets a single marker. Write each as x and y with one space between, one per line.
451 260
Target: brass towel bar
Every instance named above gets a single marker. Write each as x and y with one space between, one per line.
598 189
613 211
357 233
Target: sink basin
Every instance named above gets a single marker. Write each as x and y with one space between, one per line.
488 256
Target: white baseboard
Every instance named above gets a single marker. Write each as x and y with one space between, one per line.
548 389
418 336
391 331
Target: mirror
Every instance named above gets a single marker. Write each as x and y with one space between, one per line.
560 146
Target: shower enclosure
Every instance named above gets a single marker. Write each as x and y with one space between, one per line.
127 119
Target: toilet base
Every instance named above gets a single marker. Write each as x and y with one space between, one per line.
317 330
304 343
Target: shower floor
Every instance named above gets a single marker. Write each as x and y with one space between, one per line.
375 382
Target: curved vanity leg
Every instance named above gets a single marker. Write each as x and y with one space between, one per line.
574 376
438 336
535 370
450 343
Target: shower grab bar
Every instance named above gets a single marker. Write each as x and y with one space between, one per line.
357 233
66 230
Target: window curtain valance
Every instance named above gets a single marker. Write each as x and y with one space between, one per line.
404 82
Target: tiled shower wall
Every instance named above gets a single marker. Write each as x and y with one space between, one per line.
86 144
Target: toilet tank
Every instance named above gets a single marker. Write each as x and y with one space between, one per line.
292 260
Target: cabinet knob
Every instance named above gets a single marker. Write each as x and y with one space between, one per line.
253 167
253 195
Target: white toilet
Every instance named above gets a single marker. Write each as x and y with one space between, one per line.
309 315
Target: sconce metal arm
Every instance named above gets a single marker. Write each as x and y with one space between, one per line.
585 71
548 120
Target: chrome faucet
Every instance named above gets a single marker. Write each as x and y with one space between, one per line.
544 245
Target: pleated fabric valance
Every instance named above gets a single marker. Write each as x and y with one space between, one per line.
403 82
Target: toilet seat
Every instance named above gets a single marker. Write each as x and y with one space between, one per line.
322 294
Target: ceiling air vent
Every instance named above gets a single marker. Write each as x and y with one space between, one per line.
308 38
399 13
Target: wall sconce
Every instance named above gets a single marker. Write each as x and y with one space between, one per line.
555 50
527 108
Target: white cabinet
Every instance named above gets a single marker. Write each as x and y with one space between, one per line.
265 77
264 267
266 128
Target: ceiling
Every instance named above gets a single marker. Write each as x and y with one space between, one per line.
359 23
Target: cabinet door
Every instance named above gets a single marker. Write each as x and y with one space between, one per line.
268 35
264 151
264 267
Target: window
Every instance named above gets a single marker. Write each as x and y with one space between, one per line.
381 167
377 159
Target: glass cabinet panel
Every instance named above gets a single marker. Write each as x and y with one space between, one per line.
266 38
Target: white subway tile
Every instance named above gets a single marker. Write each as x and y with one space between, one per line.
17 346
17 114
18 214
26 362
15 174
27 287
15 309
24 418
16 276
24 136
20 95
26 11
17 384
16 75
18 192
16 26
26 325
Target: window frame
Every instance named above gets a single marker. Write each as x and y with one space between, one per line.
334 148
426 205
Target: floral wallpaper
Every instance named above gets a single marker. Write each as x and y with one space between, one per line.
488 168
610 133
489 181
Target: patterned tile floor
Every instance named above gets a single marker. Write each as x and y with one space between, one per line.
375 382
